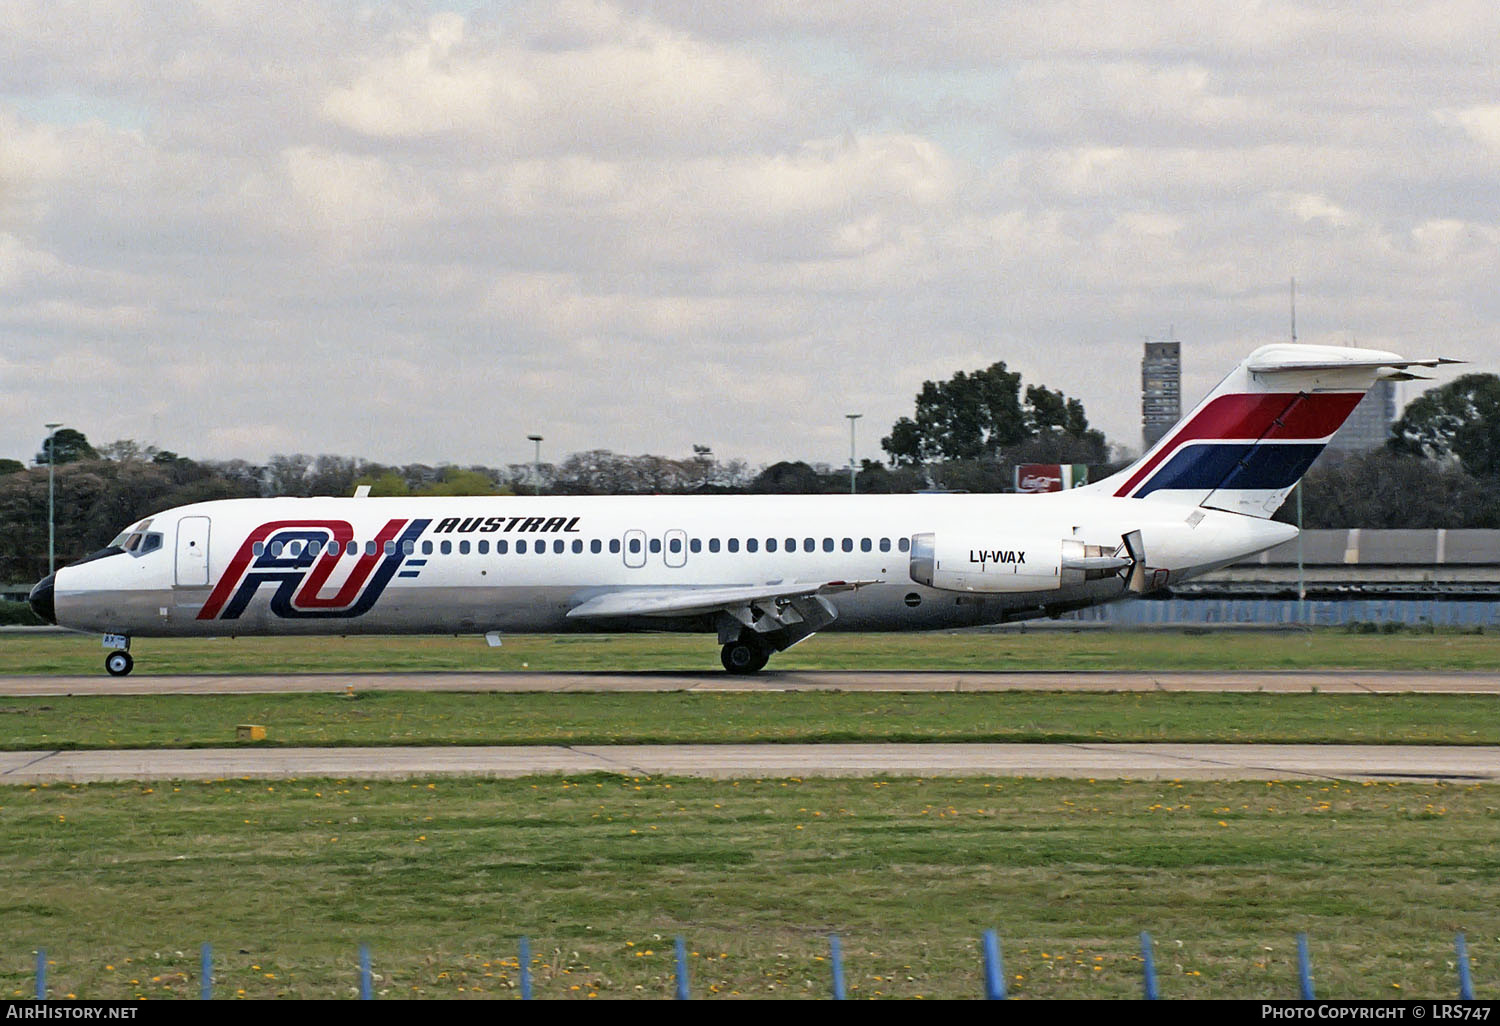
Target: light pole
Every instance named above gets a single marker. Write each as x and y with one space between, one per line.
852 418
536 466
51 497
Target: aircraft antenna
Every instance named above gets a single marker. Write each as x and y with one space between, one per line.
1294 308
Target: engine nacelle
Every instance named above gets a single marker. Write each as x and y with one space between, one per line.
1009 563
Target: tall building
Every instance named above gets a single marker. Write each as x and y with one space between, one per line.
1369 425
1161 389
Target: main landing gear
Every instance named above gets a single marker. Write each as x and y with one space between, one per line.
747 654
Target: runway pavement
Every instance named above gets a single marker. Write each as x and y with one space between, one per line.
1130 761
1275 681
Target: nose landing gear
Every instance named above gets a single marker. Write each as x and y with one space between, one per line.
118 662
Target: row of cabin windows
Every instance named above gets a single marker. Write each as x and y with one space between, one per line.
595 546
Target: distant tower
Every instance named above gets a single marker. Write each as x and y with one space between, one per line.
1369 425
1161 389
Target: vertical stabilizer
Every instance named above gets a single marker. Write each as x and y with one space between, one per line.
1244 447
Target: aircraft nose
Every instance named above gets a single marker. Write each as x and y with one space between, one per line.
42 601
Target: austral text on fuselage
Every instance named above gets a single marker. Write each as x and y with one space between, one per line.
992 556
489 525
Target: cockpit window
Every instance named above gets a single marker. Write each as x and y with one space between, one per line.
138 543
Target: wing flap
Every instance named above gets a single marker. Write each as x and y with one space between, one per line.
680 601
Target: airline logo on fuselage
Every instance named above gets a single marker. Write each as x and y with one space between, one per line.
518 525
297 558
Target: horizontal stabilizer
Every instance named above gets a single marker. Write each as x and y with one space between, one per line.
1280 363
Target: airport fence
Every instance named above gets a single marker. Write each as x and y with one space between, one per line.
992 970
1290 612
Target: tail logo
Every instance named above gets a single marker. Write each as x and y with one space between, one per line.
298 558
1244 441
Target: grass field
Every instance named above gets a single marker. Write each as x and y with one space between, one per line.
121 883
425 718
1053 649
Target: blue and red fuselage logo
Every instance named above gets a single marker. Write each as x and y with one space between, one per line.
297 558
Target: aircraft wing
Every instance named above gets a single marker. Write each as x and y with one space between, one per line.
684 601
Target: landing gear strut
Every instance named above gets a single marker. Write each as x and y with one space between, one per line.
747 654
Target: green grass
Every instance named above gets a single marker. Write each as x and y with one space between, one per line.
427 718
122 882
999 651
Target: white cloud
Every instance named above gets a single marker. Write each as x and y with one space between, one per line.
643 225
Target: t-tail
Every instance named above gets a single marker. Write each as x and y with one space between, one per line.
1244 447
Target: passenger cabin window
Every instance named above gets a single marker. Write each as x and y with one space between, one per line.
446 547
734 545
390 548
557 546
770 544
463 548
352 548
655 545
369 548
259 548
827 544
713 545
614 546
577 546
904 544
595 547
484 547
885 545
809 545
695 545
752 544
791 544
521 547
675 545
864 545
408 547
427 548
502 547
635 546
848 545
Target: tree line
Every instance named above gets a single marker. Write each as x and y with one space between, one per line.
1440 469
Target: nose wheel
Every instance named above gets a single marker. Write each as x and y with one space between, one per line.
118 663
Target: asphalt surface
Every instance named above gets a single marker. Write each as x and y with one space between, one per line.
1284 681
1135 761
1163 761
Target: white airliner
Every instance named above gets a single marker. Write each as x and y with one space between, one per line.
763 572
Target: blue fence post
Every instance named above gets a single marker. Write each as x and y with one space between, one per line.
1148 969
1304 968
525 968
41 974
1465 983
366 993
994 971
682 973
206 972
836 954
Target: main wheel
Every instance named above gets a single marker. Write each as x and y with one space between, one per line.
119 663
744 656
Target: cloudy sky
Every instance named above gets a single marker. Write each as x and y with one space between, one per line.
421 231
